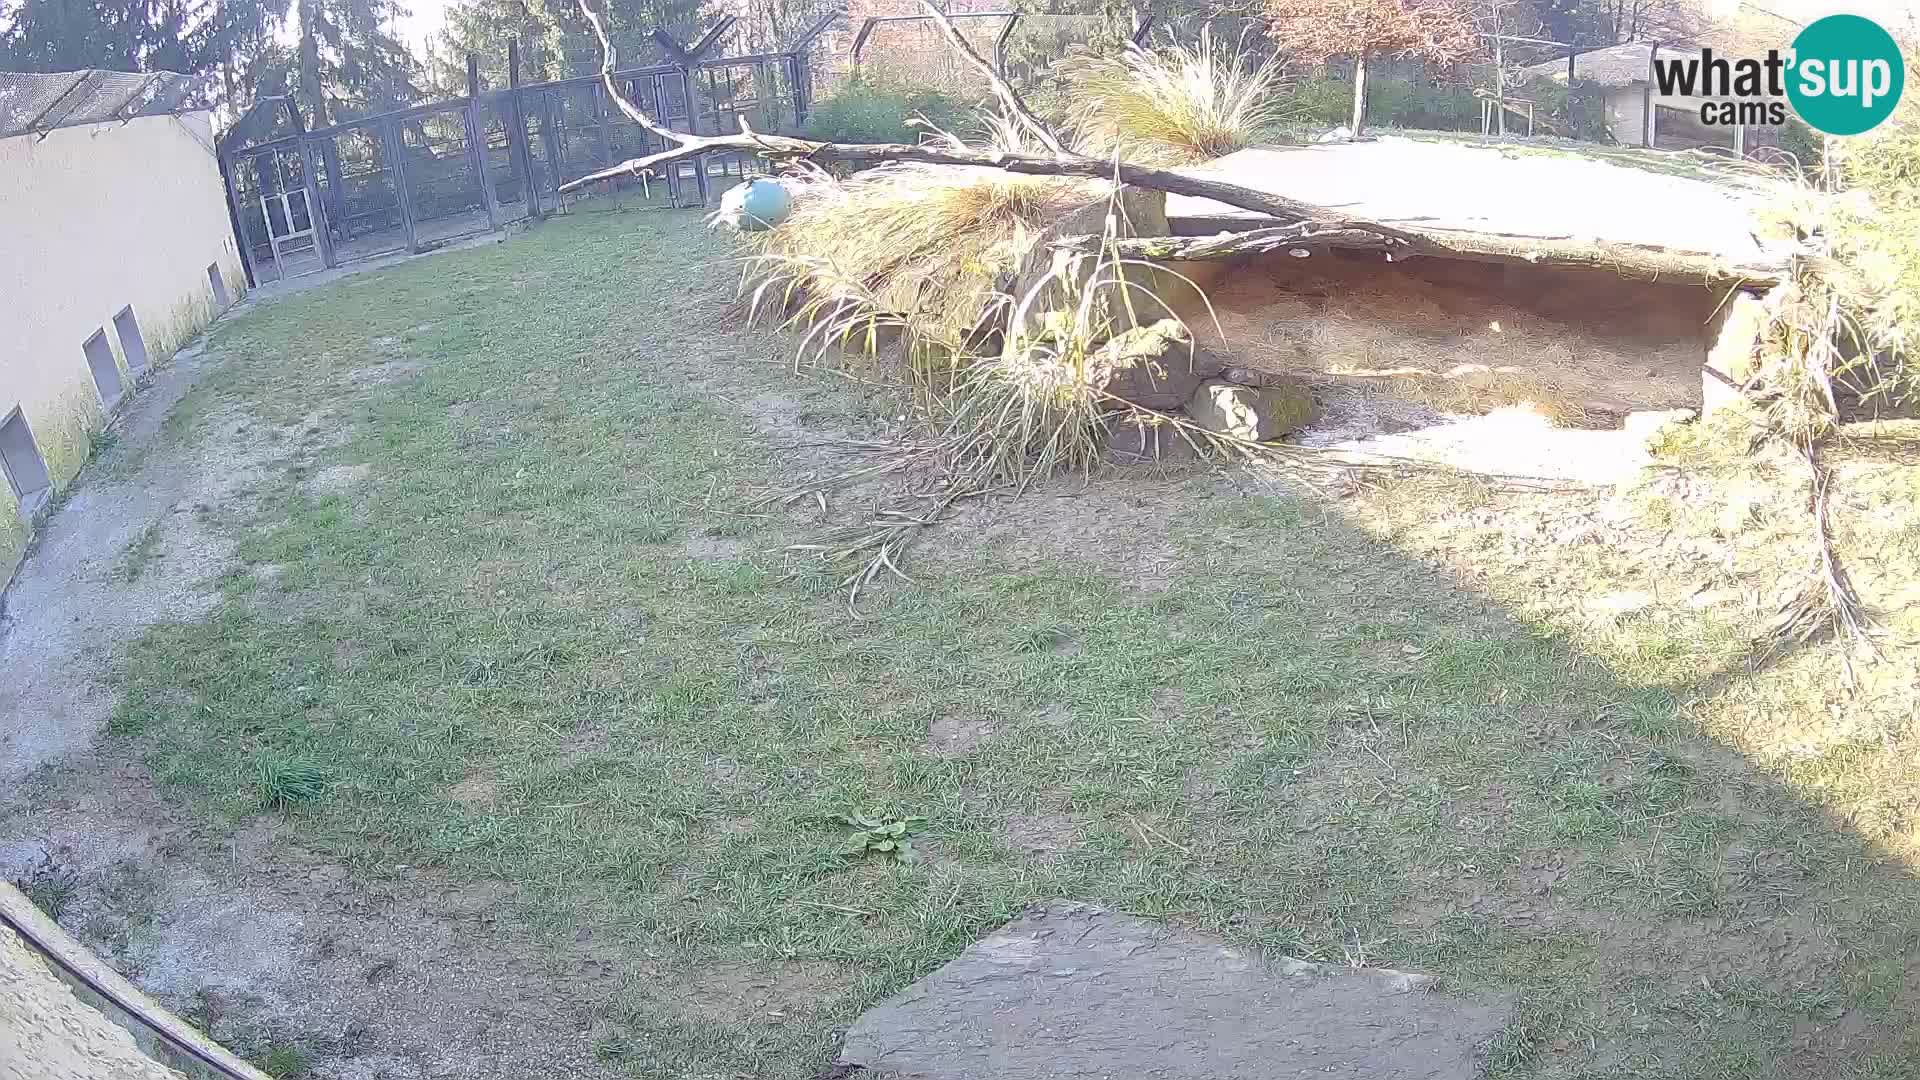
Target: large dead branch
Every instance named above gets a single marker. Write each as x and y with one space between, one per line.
682 146
1301 224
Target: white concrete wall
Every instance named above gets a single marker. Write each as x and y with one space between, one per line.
93 219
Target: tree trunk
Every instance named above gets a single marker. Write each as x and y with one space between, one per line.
1499 78
1359 91
310 67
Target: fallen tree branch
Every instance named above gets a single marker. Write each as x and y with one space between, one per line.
789 148
683 146
1301 235
1317 226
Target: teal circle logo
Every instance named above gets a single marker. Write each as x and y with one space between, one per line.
1847 74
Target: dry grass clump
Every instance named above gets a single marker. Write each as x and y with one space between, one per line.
1179 105
924 248
1847 326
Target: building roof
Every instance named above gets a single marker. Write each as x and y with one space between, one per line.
1615 65
32 102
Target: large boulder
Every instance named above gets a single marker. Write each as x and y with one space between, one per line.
1157 366
1254 413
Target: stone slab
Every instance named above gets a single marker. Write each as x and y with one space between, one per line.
1071 991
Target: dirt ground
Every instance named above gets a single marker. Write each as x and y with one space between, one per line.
245 935
581 721
1584 347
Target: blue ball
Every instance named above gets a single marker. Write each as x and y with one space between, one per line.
763 203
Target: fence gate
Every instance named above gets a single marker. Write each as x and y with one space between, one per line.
276 212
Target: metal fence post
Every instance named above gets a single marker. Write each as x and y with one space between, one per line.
229 180
518 149
687 83
556 149
395 152
603 102
476 143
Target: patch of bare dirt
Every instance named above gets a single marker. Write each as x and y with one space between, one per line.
956 734
378 374
338 479
64 618
407 976
715 547
1122 525
475 792
743 993
1042 836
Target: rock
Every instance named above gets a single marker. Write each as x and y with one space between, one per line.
1156 366
1343 133
1255 413
1072 992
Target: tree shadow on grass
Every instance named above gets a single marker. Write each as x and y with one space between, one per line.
1298 737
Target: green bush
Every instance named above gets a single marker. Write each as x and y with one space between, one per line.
869 111
1442 105
1328 100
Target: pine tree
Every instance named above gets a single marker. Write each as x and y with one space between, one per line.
348 63
192 37
555 41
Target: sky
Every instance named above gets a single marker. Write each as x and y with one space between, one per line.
424 17
422 22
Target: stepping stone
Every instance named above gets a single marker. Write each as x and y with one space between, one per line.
1072 991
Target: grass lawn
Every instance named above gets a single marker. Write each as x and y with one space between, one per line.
512 625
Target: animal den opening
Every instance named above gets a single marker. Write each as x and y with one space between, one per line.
1389 347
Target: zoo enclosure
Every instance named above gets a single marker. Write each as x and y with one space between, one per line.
416 178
